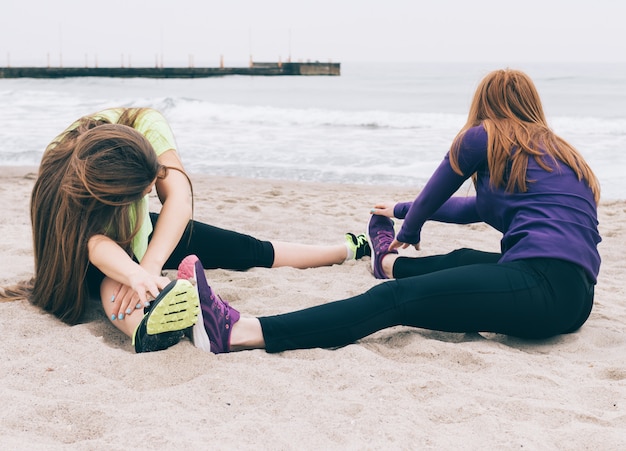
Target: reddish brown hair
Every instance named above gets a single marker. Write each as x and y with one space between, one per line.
507 104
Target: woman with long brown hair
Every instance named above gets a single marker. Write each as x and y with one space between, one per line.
93 232
531 185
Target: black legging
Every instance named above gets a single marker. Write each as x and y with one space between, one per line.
464 291
220 248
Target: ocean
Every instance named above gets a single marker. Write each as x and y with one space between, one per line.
375 124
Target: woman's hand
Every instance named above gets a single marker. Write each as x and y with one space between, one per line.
135 283
399 245
143 288
387 209
383 209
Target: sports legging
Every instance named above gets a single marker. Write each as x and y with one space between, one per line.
220 248
463 291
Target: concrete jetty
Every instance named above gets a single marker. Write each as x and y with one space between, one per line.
256 69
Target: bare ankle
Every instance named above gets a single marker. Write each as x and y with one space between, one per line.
246 334
387 263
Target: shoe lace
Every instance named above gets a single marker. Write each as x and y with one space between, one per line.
361 241
220 305
384 238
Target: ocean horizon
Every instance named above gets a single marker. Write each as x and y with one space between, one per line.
375 124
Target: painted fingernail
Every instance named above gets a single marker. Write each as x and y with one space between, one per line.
121 316
113 317
113 298
138 306
146 304
128 311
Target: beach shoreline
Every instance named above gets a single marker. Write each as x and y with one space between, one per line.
82 387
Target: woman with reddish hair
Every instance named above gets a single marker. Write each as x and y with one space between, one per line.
531 185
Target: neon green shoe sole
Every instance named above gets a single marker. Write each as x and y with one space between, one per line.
174 310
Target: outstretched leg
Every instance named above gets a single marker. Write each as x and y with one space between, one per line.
227 249
536 298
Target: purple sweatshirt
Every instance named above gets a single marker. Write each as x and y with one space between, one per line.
555 218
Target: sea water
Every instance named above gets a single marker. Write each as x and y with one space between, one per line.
374 124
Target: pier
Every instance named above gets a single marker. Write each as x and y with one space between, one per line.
254 69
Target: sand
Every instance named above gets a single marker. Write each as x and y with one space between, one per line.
84 388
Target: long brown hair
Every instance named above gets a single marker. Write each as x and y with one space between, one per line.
507 104
89 180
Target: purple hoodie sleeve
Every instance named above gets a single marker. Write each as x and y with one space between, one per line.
435 202
401 209
443 183
456 210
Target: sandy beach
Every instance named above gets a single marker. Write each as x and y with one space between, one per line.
84 388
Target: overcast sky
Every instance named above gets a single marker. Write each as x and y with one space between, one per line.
180 32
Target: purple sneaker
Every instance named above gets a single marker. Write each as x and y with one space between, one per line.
380 234
216 318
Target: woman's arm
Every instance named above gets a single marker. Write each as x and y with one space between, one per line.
443 184
456 210
106 255
174 192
